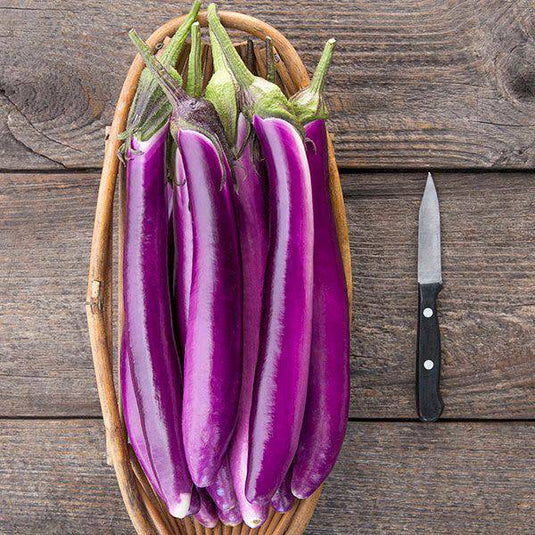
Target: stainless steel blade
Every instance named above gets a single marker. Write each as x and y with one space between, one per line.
429 258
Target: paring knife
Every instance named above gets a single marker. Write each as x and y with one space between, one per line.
429 285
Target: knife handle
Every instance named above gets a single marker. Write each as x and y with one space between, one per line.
428 362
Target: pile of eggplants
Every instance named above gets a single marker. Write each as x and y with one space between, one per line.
235 348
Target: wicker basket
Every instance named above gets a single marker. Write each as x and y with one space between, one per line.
146 510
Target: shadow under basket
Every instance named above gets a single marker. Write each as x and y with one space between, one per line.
147 512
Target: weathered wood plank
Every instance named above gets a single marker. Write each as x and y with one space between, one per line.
391 478
415 83
487 310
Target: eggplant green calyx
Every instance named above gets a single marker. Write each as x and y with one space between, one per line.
150 109
188 113
221 92
257 96
194 81
309 104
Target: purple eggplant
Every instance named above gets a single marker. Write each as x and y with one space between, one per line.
251 205
213 357
182 223
133 421
222 491
325 422
148 340
183 251
195 503
283 499
284 353
282 374
207 514
232 517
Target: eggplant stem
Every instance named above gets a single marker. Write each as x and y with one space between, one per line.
168 84
171 52
218 58
243 76
318 80
194 81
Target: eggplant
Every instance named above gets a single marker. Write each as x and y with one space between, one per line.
207 514
252 210
148 349
232 517
133 421
281 378
327 409
182 223
213 353
195 503
283 499
183 252
250 200
284 353
222 491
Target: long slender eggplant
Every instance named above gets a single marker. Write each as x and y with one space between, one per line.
232 517
148 341
213 356
221 490
183 228
250 201
283 499
195 503
133 421
207 514
183 251
282 373
326 414
252 209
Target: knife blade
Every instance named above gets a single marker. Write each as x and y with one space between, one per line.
429 401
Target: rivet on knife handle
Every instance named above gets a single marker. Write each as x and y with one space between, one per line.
429 402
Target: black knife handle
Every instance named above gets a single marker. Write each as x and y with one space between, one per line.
428 363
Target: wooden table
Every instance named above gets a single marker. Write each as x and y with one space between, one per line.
444 85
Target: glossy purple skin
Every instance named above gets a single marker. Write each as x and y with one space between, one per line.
148 338
232 517
183 250
213 357
207 514
195 503
133 421
324 425
251 208
222 490
283 499
281 378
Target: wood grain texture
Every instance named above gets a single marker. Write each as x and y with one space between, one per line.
391 478
414 83
486 308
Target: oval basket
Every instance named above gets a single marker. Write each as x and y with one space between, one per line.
147 512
